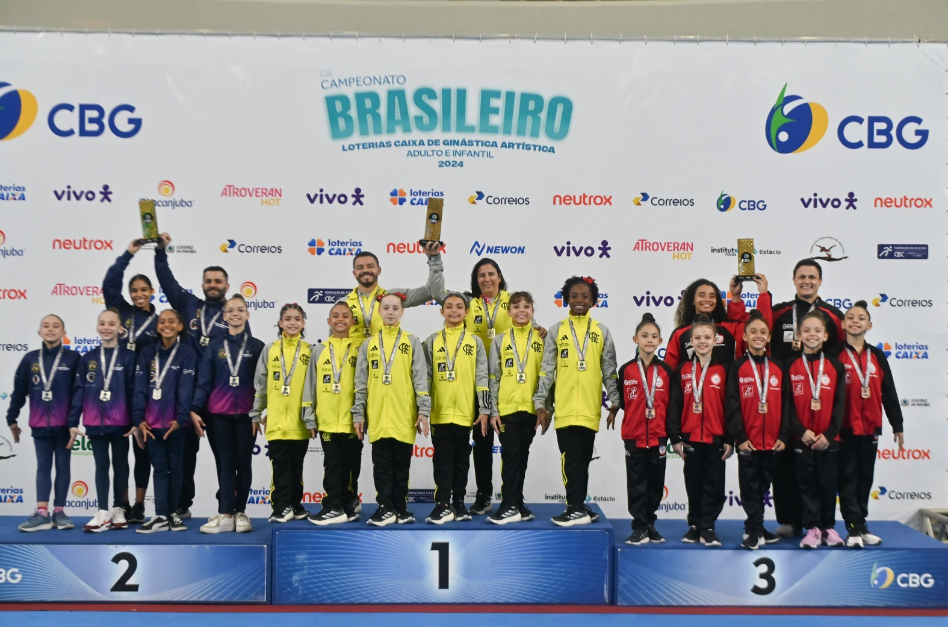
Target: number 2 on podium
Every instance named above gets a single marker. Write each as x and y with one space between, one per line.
442 549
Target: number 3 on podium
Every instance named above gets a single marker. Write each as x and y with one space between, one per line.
766 575
442 549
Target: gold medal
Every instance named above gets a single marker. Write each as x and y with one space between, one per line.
581 365
796 345
366 331
451 376
491 334
131 346
387 379
815 404
105 396
697 408
649 413
521 377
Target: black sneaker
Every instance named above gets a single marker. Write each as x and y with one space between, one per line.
593 516
504 515
752 541
526 514
460 512
300 512
709 538
441 514
654 535
156 524
572 517
691 536
355 506
183 513
382 516
177 524
769 538
137 513
481 505
127 510
281 517
638 537
328 517
352 515
404 516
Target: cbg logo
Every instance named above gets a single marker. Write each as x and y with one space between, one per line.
795 125
726 202
882 577
17 111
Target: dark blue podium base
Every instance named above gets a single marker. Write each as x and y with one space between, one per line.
116 566
459 562
909 569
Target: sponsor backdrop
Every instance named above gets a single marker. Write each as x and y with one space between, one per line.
637 164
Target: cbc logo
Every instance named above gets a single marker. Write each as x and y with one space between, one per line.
883 577
10 575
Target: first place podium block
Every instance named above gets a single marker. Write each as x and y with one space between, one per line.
459 562
124 566
909 569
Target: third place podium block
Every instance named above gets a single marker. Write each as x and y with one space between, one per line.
459 562
908 569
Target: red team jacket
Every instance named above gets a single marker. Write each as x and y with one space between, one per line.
829 418
744 420
863 416
729 335
708 426
645 433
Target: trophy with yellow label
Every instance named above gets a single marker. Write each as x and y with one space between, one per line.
745 260
149 219
433 215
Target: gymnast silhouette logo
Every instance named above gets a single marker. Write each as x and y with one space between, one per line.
794 125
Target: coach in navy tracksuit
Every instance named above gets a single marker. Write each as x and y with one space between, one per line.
225 389
204 322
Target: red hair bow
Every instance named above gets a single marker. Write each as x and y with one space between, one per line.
402 297
589 280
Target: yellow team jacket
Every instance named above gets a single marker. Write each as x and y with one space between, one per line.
392 409
330 412
478 313
578 396
507 395
453 401
284 413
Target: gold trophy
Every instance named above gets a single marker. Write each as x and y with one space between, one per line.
745 260
149 218
433 215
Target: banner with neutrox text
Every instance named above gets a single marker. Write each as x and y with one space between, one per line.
637 164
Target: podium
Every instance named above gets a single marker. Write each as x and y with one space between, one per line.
908 570
459 562
124 566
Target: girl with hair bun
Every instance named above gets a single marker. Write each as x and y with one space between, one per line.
646 383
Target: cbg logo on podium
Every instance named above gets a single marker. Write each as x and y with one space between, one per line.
796 125
19 107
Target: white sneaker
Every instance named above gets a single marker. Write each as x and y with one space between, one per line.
870 538
102 521
118 518
854 540
242 522
218 523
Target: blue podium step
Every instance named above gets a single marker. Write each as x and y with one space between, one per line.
122 565
909 569
459 562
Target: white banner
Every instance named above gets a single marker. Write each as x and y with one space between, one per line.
638 164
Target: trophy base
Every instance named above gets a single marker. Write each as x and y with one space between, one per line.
148 240
747 277
425 242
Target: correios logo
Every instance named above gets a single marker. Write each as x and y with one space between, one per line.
17 111
233 246
884 299
795 125
883 493
497 200
643 198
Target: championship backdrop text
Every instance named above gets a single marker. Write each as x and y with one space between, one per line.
637 164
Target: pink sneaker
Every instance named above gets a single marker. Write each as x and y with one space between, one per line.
812 539
831 538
